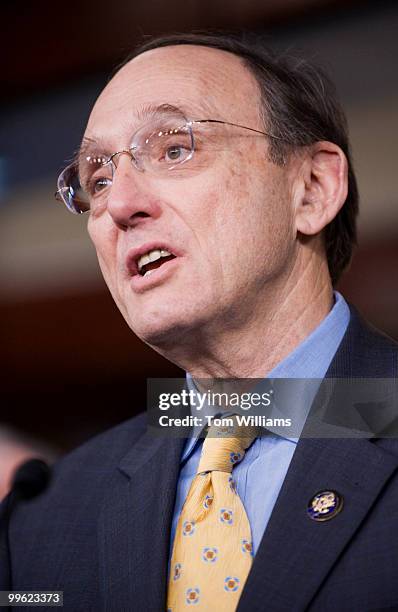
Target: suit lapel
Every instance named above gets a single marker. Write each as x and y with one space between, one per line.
134 526
296 552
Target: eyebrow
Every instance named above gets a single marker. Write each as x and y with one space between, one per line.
149 111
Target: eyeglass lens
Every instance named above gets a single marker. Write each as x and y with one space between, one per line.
158 146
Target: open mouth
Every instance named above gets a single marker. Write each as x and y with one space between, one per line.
152 260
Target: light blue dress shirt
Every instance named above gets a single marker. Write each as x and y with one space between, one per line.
259 477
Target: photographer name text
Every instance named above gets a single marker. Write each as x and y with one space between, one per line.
208 420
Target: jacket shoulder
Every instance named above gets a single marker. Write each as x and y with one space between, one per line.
86 471
107 447
365 352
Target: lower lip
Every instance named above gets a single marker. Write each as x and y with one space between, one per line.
158 275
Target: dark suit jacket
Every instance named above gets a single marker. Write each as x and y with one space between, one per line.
101 532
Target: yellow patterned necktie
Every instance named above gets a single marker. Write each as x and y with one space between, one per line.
212 552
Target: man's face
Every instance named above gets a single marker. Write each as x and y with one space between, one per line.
229 224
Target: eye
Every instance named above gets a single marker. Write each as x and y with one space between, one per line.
96 184
99 184
173 153
95 175
176 153
169 147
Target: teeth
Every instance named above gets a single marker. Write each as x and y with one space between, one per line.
150 257
148 272
154 255
143 261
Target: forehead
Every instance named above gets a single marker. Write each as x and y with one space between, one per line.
203 82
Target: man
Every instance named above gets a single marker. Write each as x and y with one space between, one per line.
222 206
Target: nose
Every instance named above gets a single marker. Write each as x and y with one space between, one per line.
130 198
130 152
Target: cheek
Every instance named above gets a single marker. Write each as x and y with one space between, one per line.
221 226
104 238
257 224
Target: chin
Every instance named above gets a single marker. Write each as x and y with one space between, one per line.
163 330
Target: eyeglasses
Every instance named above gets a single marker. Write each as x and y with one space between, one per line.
168 146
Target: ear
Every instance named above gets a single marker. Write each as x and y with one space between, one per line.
325 176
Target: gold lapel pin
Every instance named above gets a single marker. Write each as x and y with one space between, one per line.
324 506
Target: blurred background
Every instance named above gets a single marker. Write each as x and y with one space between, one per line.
70 367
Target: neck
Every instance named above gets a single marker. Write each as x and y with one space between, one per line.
279 321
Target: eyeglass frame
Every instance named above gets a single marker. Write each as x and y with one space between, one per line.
60 198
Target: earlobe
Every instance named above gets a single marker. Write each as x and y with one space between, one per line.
325 178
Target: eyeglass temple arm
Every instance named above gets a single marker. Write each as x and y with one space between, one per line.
243 127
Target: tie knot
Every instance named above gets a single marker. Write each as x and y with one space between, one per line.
224 447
